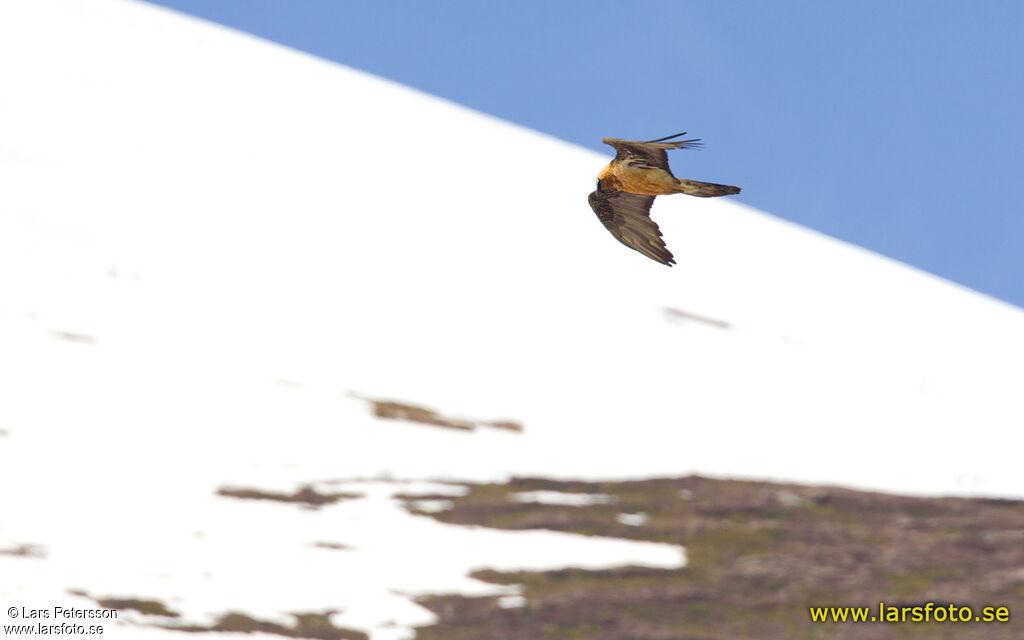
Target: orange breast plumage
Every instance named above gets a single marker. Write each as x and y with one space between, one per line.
650 182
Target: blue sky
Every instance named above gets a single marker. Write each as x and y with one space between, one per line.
897 126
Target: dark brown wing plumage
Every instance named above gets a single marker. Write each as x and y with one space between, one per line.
652 154
627 216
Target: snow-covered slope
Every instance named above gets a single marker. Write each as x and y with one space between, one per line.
212 248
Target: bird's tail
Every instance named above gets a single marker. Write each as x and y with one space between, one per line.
704 189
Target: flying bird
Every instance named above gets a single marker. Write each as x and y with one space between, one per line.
627 186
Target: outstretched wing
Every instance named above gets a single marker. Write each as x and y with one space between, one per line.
648 155
627 216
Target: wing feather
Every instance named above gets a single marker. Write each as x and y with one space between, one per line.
628 217
651 155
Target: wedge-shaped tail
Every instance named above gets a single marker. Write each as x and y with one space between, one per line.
704 189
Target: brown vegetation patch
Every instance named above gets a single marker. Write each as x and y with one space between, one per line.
143 606
307 625
27 550
306 495
391 410
760 554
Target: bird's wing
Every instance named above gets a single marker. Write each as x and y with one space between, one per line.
649 155
627 216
